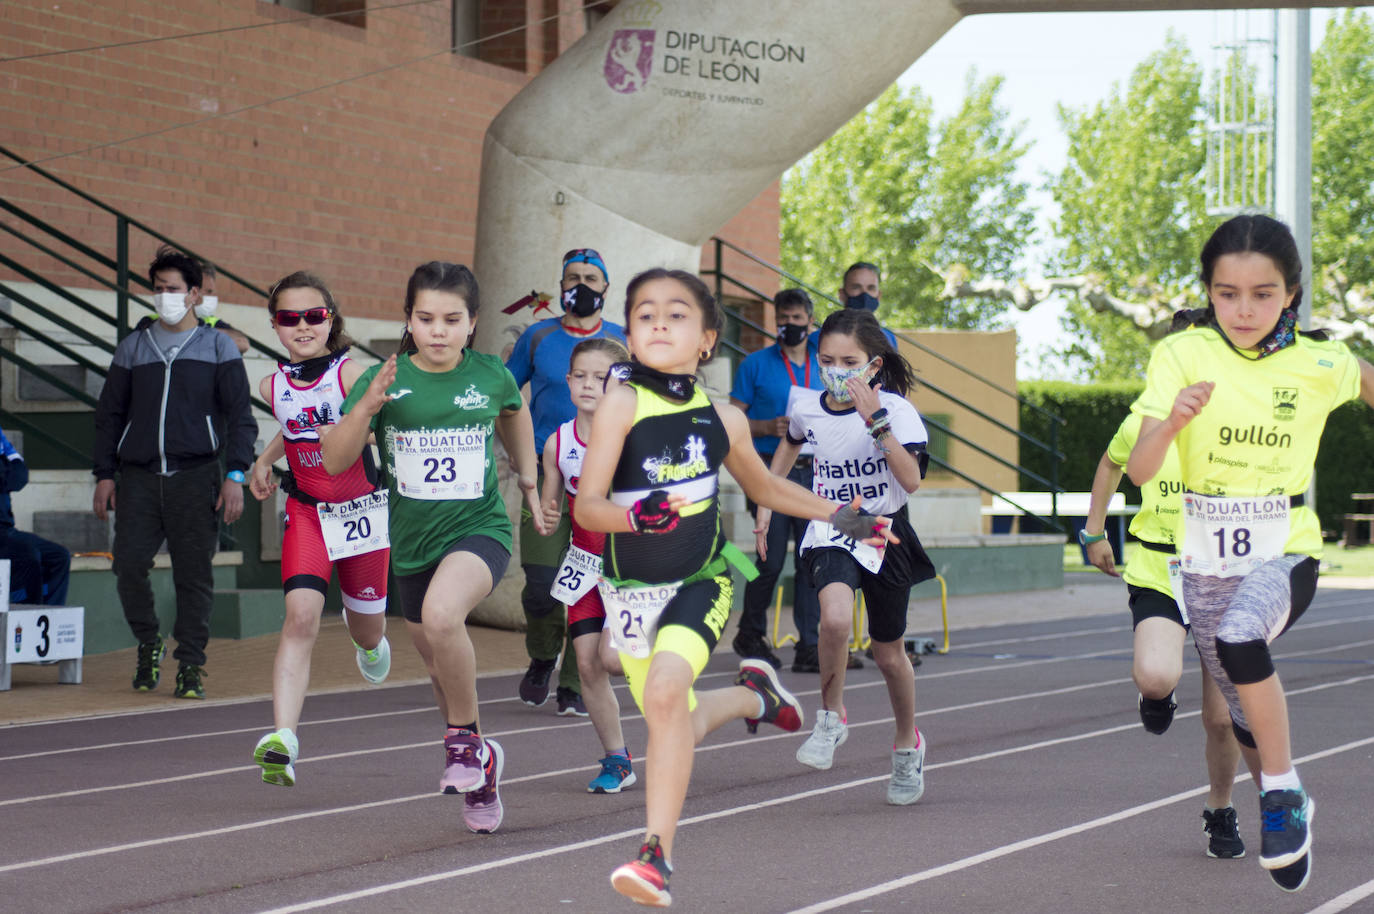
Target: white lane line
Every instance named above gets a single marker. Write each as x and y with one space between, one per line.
985 756
955 866
1345 900
792 798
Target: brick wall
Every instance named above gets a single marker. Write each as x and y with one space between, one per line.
360 181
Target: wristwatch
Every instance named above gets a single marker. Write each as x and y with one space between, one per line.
1084 537
236 476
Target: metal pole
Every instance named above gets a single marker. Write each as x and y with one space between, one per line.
121 277
1293 141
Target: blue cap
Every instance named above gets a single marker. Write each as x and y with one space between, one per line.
586 255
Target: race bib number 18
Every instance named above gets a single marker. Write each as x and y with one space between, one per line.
1230 537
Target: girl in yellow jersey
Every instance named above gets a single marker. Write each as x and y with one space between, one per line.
1245 397
1160 623
649 480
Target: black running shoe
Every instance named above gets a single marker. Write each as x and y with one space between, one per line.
534 688
570 703
149 671
1285 833
1223 837
750 645
1294 876
1156 714
806 659
189 681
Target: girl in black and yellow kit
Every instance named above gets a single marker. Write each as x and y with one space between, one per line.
650 480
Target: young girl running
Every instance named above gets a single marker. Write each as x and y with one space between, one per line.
650 480
575 583
330 520
434 408
1245 397
871 443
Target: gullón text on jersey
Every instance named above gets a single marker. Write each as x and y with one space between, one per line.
843 480
1255 434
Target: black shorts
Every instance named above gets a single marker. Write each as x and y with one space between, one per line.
408 590
1146 603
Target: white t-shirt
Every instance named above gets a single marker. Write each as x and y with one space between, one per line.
848 462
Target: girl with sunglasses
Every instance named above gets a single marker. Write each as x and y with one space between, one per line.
331 520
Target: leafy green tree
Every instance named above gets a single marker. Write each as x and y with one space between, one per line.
1343 162
914 196
1132 213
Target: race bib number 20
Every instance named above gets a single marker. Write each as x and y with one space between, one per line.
1231 537
354 527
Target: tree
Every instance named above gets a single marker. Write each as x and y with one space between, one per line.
896 188
1132 210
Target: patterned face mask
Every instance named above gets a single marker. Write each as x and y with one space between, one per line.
1283 334
835 378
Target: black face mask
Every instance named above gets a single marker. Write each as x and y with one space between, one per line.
581 301
791 334
862 301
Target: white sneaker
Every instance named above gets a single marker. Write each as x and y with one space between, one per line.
376 663
908 775
276 753
827 735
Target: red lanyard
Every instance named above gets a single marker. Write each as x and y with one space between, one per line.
791 374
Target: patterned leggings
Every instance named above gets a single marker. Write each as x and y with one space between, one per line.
1257 607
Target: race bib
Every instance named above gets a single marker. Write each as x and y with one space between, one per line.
576 576
1176 585
820 535
441 465
1231 537
354 527
632 614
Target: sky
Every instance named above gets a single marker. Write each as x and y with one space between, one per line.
1073 59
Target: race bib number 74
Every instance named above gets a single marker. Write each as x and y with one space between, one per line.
820 535
1230 537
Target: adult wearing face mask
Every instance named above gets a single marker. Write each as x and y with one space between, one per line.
209 302
540 358
862 288
173 382
763 385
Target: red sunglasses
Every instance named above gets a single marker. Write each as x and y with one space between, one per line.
314 317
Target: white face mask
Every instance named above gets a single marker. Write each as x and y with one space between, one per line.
171 306
207 306
835 379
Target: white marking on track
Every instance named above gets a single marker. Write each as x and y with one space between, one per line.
1345 900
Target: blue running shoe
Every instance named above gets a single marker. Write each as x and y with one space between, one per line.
616 774
1285 830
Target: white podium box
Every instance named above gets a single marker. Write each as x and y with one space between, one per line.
40 634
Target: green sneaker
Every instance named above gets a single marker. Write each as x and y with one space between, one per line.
188 681
376 663
148 672
276 753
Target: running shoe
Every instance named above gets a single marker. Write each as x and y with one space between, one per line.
1156 714
466 758
780 707
570 703
534 687
482 809
617 773
374 664
1223 837
908 775
806 659
854 663
149 672
1294 876
645 880
752 645
189 683
276 754
828 734
1285 827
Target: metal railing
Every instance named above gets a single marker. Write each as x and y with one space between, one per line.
725 284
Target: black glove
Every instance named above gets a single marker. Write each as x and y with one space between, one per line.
857 525
651 514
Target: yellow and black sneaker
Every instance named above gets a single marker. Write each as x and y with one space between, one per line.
188 681
149 672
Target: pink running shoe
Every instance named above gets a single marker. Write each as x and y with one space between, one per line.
466 756
482 809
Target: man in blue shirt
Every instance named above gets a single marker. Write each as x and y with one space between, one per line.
540 358
39 569
763 384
